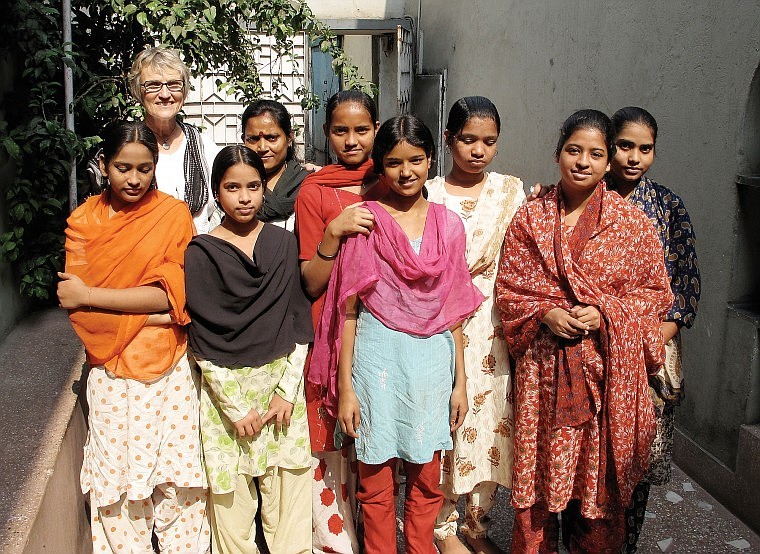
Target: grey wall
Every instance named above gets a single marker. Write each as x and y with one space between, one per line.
690 64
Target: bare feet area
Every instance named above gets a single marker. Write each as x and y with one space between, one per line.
451 545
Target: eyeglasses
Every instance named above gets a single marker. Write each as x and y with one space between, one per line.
151 87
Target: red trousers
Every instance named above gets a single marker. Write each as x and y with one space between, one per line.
536 531
421 506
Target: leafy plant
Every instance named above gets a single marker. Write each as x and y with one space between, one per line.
107 34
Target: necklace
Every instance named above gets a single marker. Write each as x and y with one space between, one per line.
165 142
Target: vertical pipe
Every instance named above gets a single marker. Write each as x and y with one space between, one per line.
68 97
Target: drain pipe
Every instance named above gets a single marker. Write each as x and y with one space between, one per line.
68 97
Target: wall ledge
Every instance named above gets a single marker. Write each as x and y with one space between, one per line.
41 506
738 490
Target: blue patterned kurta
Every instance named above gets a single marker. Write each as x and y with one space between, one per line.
668 214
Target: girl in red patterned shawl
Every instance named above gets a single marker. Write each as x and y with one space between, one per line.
582 289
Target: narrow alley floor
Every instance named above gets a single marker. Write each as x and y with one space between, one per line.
682 518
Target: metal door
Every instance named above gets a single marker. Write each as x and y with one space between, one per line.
405 53
429 104
324 83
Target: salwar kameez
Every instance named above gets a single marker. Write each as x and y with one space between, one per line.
671 221
320 200
142 461
249 335
481 458
584 421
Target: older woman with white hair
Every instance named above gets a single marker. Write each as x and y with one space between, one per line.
160 80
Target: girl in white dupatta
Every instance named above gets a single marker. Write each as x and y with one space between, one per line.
485 201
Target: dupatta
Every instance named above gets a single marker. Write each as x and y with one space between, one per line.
338 175
143 244
418 294
246 311
500 198
558 273
279 202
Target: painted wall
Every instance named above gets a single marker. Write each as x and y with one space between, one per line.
690 64
357 9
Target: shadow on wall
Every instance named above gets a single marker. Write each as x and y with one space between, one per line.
13 306
734 477
746 276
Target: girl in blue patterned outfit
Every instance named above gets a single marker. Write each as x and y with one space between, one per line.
389 345
635 136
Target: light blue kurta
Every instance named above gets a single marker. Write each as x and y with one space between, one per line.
404 385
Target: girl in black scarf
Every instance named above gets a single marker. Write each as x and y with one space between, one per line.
268 131
249 334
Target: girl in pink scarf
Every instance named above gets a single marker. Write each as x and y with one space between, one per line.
389 345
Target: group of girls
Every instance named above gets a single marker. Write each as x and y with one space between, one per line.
377 337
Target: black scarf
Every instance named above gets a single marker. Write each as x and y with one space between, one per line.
278 203
196 169
246 312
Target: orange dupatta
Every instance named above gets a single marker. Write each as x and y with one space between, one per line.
144 244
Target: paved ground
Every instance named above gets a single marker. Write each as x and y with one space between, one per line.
682 518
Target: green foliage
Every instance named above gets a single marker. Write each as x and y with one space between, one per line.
107 34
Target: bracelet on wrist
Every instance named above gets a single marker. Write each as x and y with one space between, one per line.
325 256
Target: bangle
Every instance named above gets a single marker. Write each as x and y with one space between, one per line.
89 300
325 256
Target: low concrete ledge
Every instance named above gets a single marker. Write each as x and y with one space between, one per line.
738 490
43 430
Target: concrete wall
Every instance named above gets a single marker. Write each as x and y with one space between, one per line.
692 65
11 304
357 9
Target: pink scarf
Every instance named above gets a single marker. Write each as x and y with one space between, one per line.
418 294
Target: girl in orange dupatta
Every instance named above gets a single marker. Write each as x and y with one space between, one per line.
124 289
582 289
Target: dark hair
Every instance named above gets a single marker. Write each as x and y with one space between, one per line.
355 96
586 119
121 133
233 155
468 107
633 114
115 137
278 112
402 128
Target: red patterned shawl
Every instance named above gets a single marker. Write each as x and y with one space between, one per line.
612 261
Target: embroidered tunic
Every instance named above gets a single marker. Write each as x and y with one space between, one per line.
250 332
483 445
402 383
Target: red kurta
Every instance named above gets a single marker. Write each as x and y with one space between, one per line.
595 447
319 202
